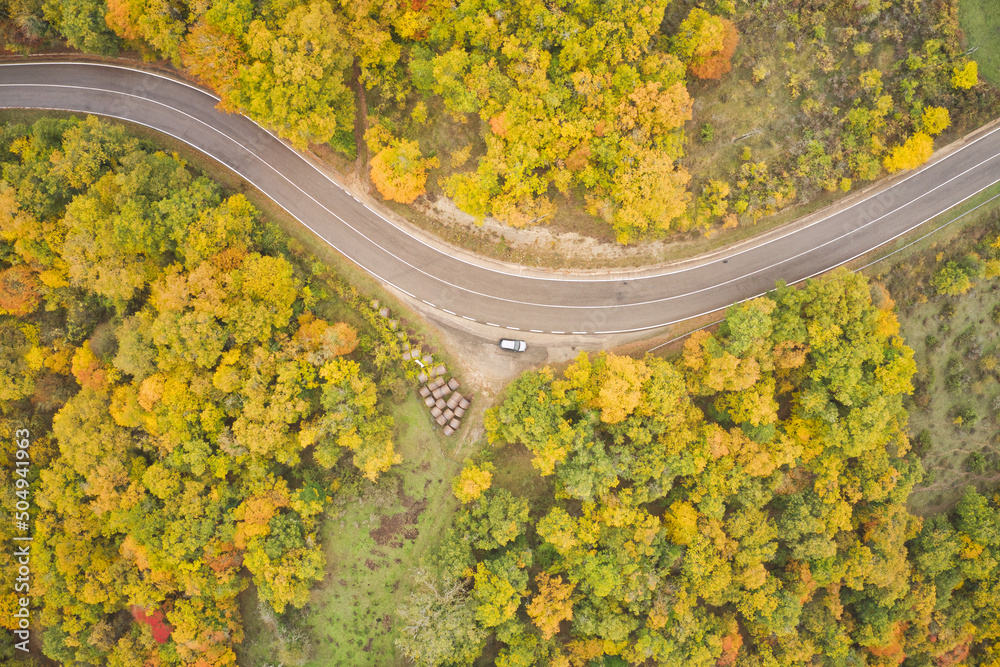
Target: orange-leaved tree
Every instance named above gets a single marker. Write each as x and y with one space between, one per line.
399 171
552 604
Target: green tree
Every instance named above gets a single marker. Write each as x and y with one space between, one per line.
499 586
494 521
439 624
295 76
164 478
753 490
82 23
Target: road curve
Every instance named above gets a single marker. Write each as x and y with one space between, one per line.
556 303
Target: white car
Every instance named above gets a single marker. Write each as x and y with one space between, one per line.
513 345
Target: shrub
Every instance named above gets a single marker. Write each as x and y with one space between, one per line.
975 462
967 336
957 383
988 363
951 280
922 443
921 392
965 76
707 133
965 416
957 379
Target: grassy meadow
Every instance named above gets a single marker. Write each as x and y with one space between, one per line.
980 21
954 422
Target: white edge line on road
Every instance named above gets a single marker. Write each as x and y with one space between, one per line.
74 63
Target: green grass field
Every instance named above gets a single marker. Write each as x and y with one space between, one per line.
980 21
374 539
374 535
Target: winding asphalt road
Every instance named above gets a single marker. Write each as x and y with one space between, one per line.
488 293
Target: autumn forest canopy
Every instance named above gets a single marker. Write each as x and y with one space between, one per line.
201 390
742 505
191 406
564 103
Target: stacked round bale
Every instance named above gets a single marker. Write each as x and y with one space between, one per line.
446 404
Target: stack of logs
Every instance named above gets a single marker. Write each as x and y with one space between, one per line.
446 404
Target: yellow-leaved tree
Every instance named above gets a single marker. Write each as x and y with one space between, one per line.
913 153
935 120
620 380
965 76
472 482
